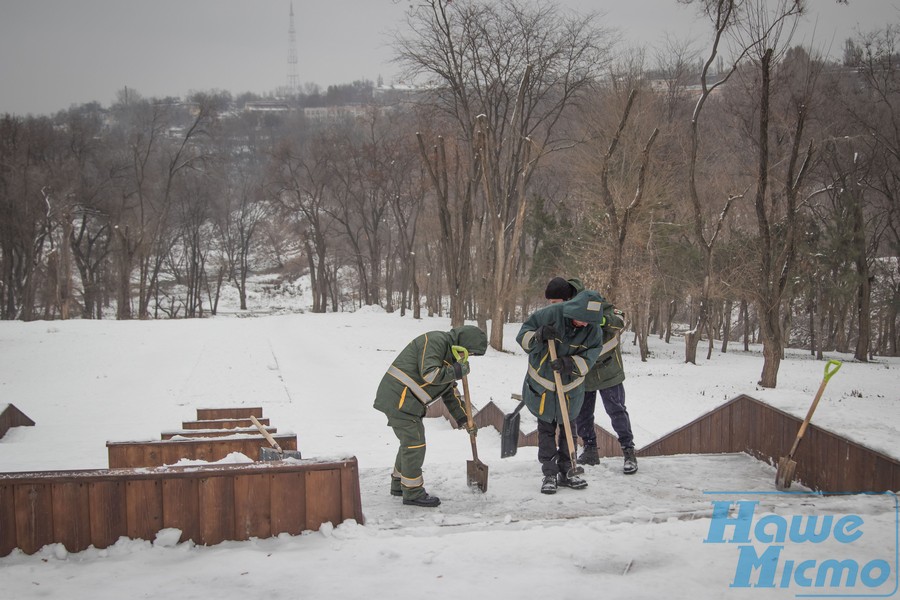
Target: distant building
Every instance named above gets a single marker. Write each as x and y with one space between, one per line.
268 106
336 113
395 93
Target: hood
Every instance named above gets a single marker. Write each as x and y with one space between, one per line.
471 338
585 306
577 284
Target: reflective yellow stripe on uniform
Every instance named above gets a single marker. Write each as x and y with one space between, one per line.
416 446
527 339
431 375
550 385
411 483
402 398
406 380
542 381
541 407
581 364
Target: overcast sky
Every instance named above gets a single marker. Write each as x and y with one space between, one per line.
55 53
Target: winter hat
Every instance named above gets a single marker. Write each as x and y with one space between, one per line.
559 289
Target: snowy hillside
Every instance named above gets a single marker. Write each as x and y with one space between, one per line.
84 383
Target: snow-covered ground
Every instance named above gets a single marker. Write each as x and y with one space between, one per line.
641 536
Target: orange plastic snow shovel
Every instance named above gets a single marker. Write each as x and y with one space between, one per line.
476 471
564 409
787 465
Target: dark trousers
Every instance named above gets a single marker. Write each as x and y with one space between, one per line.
614 403
553 450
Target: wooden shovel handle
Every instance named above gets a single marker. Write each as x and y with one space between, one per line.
469 420
831 367
461 354
266 434
563 405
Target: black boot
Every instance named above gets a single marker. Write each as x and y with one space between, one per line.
548 485
576 482
423 500
396 490
630 466
589 456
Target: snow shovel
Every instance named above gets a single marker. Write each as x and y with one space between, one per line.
564 409
509 436
786 465
267 453
476 471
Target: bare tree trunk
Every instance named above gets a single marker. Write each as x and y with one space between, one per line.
863 296
670 316
726 327
455 251
123 296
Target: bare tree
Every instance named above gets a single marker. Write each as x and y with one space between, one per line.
873 198
504 73
777 208
157 150
754 30
302 175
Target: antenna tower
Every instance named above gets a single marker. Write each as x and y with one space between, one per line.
292 84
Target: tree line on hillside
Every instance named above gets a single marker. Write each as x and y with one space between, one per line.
748 187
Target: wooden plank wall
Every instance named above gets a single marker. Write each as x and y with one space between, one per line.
197 433
221 423
492 416
210 503
156 453
10 416
206 414
825 461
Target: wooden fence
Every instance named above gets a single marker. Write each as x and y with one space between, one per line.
209 503
222 423
243 412
200 433
825 461
10 416
156 453
225 431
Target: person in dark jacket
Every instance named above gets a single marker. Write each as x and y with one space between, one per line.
423 372
575 327
607 377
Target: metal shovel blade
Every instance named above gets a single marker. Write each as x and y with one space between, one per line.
785 473
477 475
273 454
576 470
509 437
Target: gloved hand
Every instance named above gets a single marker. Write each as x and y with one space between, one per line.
563 364
544 333
461 369
464 424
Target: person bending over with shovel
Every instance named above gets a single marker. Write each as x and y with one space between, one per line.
606 377
563 342
423 372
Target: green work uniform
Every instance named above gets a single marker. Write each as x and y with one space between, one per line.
582 344
422 373
608 370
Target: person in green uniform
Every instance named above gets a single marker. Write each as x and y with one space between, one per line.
606 377
575 326
424 371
